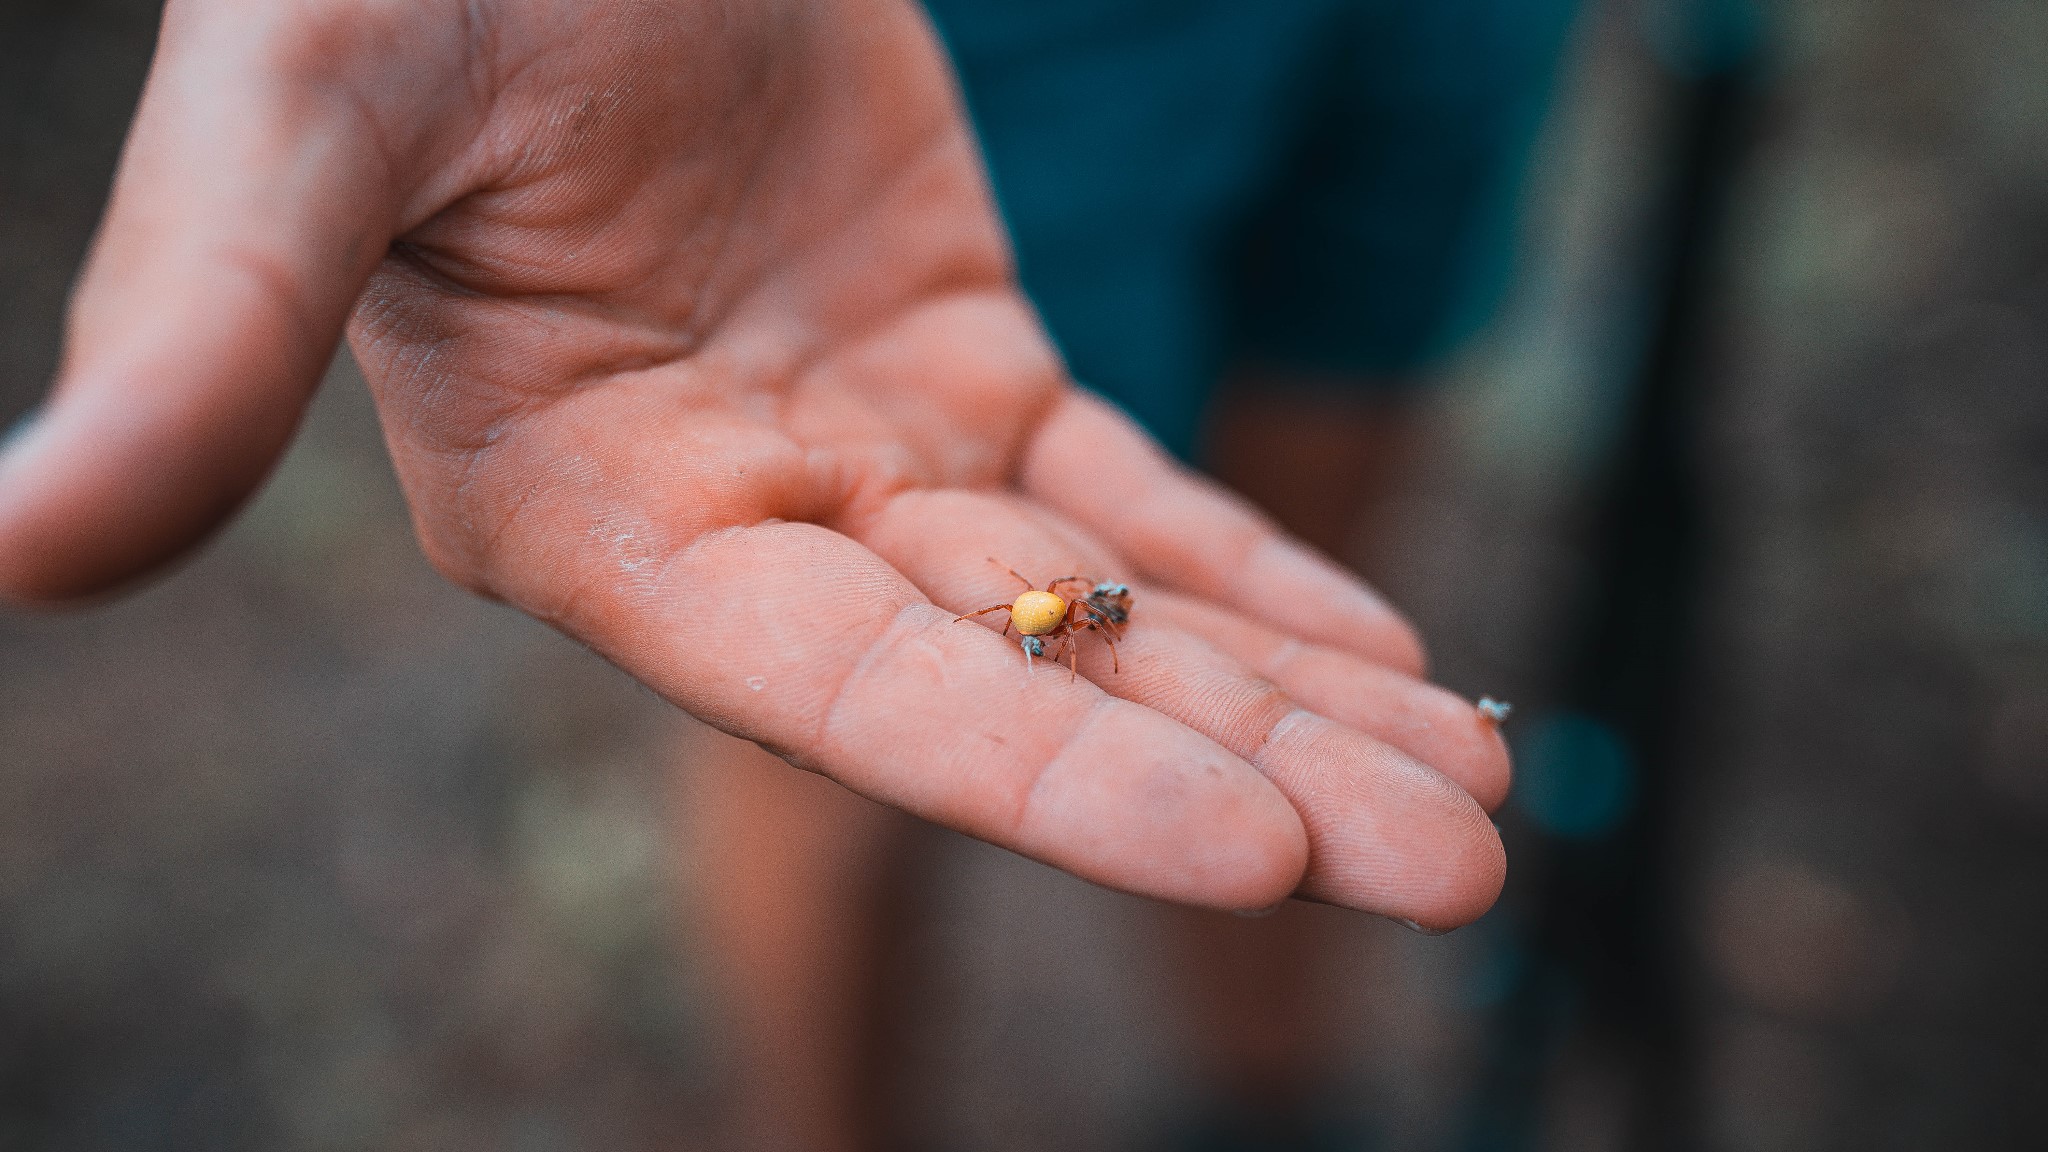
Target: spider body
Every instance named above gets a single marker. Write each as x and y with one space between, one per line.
1042 614
1036 613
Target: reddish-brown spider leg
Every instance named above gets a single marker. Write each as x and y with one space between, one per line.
1110 639
1070 580
1011 571
984 612
1068 650
1066 634
1101 623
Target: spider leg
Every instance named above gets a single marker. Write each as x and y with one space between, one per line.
1069 580
1011 571
1099 619
984 612
1109 638
1066 635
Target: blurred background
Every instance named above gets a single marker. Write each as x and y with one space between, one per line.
1742 499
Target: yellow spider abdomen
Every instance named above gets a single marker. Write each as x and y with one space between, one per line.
1037 613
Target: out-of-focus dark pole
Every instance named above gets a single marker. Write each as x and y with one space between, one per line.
1601 958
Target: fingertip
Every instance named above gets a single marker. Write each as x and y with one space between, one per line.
1437 727
1390 835
22 584
1260 863
1493 774
40 568
1461 877
1458 884
1319 600
1277 859
1471 883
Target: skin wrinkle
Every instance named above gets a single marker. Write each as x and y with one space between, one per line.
462 495
381 146
703 315
864 496
562 613
564 306
895 415
310 59
492 539
1031 798
512 177
480 36
682 343
551 478
877 648
1264 698
660 578
274 282
1228 700
470 160
521 406
1473 756
1294 718
483 570
927 289
499 275
543 156
476 152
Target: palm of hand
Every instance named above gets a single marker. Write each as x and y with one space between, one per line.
698 339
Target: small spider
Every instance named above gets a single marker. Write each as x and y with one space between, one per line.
1038 615
1495 711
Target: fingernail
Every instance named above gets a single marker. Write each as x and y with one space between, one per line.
1412 926
19 428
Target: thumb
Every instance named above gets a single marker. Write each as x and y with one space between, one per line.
251 203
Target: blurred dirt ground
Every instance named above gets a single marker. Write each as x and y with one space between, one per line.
302 849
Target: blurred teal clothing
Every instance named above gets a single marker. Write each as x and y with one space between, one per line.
1327 185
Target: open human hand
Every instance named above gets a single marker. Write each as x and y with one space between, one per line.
693 333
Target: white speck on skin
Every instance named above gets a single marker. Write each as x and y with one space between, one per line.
756 683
